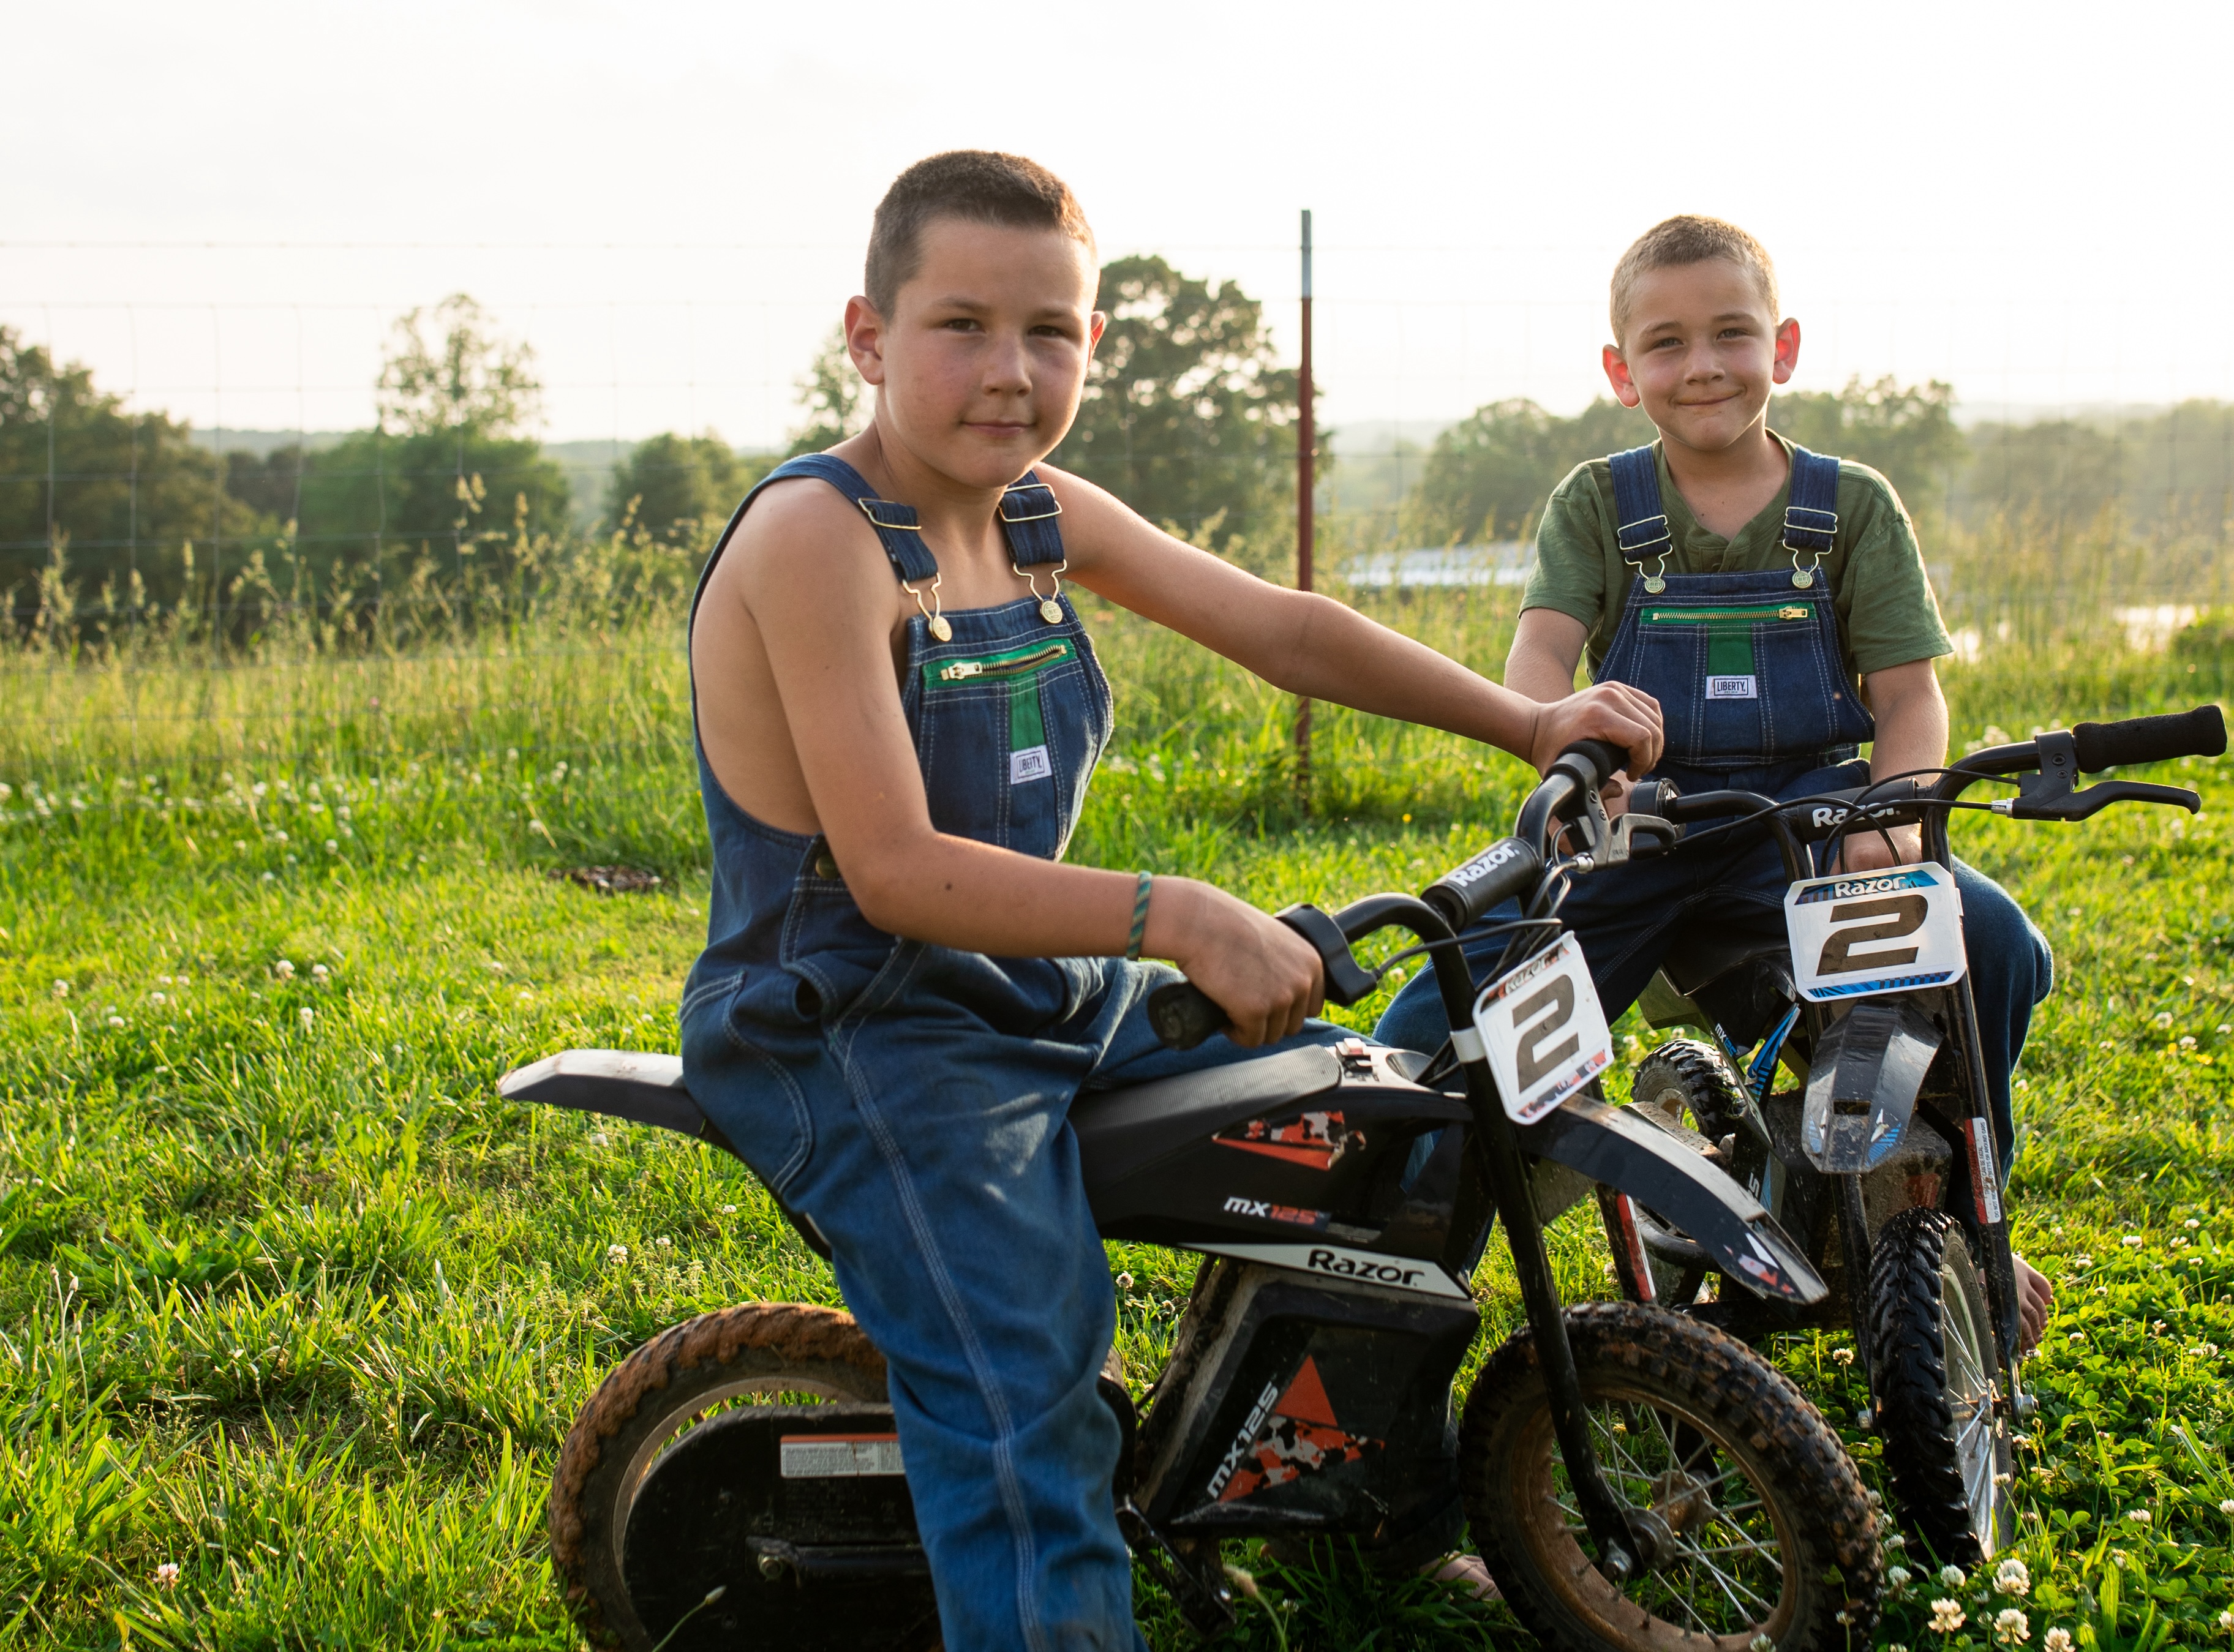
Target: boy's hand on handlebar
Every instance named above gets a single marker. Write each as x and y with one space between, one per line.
1868 850
1613 712
1261 973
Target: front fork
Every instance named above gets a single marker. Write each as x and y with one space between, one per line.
1604 1515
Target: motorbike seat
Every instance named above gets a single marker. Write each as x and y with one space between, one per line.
1121 1131
634 1084
1733 976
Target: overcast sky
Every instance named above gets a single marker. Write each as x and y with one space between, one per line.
223 206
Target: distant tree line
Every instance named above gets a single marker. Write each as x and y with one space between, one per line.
108 514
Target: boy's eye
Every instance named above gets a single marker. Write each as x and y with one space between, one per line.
960 324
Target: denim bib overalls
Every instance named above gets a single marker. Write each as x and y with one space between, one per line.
912 1099
1754 696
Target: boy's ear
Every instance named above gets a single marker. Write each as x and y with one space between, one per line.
1787 350
864 338
1096 325
1624 388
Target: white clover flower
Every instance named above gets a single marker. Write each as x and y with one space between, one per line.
1899 1578
278 836
664 1242
319 972
2227 1619
332 848
284 970
1950 1576
2011 1577
2188 1041
728 1209
1843 1356
307 1015
2057 1640
618 1255
166 1575
1896 1541
61 988
2191 1224
2139 1517
1124 1282
2165 1019
2221 1029
1946 1617
116 1021
2082 1260
269 877
157 998
2227 1506
2012 1627
2133 1241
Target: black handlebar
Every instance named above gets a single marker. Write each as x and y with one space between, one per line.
2199 732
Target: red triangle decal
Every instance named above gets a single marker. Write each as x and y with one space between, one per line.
1306 1398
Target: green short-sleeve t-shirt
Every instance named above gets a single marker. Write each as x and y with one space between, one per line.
1887 615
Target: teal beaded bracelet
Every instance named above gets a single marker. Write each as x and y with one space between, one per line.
1140 918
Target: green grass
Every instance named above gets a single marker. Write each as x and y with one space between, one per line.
290 1301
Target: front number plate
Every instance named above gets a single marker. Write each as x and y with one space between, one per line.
1874 932
1544 1030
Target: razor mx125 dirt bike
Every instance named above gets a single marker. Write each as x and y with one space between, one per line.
1632 1476
1884 1161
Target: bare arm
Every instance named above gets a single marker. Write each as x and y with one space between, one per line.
1547 646
811 577
1311 645
1911 719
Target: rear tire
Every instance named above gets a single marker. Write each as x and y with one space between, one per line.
1939 1369
757 1349
1764 1528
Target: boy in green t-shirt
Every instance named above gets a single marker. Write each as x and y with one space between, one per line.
1722 511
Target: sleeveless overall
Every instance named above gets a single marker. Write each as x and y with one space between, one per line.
911 1101
1754 696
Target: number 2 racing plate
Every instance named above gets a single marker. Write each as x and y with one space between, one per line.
1544 1031
1873 933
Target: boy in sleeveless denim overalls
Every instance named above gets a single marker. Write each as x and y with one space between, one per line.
898 711
1750 587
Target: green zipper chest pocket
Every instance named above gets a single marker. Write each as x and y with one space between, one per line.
1020 668
1730 631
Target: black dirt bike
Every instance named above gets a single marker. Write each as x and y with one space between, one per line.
1882 1158
1632 1476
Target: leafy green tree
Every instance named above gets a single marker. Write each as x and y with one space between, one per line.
1907 432
1487 476
835 399
682 488
99 506
1186 416
450 485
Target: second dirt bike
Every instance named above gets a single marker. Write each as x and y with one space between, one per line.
1884 1161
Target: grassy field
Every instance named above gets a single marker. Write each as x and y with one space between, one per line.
291 1303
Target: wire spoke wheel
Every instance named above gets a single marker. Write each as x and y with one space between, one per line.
1757 1524
1946 1443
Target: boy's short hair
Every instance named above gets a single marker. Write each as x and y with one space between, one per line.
1689 239
981 185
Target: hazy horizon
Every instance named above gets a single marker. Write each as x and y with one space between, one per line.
228 213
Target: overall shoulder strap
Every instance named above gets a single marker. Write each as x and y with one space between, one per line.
1811 521
897 531
1642 532
1029 510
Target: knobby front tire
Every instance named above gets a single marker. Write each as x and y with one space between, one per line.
1762 1526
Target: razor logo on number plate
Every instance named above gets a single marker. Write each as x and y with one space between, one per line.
1861 935
1544 1031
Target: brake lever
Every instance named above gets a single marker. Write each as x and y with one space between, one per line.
1347 981
2078 806
1660 837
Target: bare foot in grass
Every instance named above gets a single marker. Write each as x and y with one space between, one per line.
1463 1571
2034 1298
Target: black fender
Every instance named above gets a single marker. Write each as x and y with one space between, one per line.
1620 1148
1863 1080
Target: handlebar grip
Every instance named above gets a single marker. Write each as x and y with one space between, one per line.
1508 867
1182 1015
1603 755
2199 732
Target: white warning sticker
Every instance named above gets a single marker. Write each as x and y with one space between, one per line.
822 1457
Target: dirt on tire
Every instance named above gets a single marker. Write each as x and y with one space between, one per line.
1725 1396
775 1346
